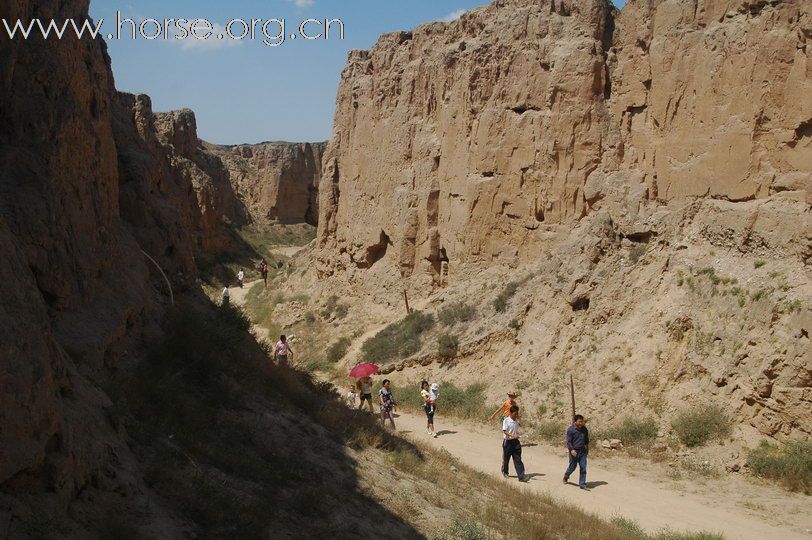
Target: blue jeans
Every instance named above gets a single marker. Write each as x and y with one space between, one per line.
579 461
512 448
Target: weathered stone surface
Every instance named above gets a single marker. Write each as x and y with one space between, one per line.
630 160
276 181
471 138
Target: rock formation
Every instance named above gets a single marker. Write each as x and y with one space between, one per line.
89 179
569 139
278 182
468 140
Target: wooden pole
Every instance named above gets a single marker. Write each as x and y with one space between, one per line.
406 297
572 394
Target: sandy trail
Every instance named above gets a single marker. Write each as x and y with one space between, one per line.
616 489
238 296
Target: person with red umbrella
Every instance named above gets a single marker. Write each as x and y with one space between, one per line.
363 373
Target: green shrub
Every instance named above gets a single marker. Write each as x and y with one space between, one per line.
501 301
447 345
515 324
337 350
759 263
698 425
542 410
466 402
398 340
790 464
631 431
551 431
463 529
457 312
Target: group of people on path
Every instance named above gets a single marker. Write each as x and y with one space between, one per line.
264 270
577 435
577 438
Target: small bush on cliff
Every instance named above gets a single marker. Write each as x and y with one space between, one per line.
398 340
501 301
337 350
632 431
791 464
699 425
447 346
457 312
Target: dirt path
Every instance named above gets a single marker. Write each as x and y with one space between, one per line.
238 296
620 490
634 489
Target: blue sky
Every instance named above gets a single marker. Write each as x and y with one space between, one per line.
247 92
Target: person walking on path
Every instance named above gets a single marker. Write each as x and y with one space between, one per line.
387 403
226 297
578 447
240 278
365 385
263 269
282 351
511 445
428 406
505 407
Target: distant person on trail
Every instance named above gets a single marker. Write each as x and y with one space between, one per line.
263 269
505 407
428 406
352 397
578 447
240 278
226 297
511 446
365 385
387 403
282 351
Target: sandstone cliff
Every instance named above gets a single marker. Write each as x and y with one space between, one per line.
468 140
88 179
568 141
278 182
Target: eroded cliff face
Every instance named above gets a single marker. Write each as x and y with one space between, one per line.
277 182
567 141
86 185
468 141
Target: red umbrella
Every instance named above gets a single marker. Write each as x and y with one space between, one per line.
364 370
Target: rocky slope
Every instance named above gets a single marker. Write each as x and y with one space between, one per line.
278 182
570 141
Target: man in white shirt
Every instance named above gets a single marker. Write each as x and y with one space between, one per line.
240 278
511 447
226 296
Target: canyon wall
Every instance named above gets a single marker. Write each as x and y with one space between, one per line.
611 165
471 141
90 181
277 181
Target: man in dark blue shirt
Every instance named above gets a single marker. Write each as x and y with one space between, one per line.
578 446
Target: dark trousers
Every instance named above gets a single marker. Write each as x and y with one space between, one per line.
512 448
579 461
